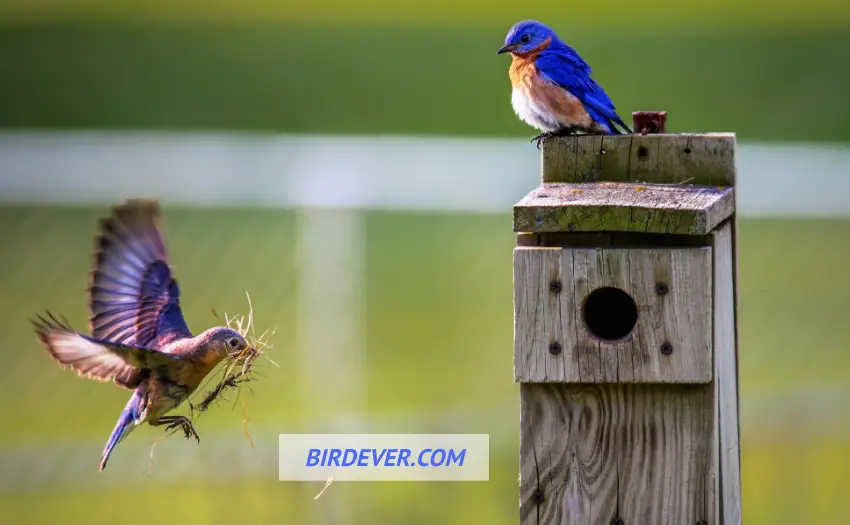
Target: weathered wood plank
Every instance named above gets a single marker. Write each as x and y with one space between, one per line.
538 305
624 207
726 422
600 361
568 472
592 453
527 239
703 159
680 316
588 160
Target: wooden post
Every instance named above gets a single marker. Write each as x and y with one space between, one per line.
625 333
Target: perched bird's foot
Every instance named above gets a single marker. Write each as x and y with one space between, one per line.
560 132
181 422
540 139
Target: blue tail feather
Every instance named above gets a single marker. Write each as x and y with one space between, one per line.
611 122
620 123
127 421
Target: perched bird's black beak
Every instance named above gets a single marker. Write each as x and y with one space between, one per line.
506 49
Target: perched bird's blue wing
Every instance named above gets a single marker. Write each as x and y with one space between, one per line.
98 359
133 298
563 66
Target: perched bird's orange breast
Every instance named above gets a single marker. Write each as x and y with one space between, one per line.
523 67
522 70
540 102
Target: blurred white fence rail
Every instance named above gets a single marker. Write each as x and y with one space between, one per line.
363 172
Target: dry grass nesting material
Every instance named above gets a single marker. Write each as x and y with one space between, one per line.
239 368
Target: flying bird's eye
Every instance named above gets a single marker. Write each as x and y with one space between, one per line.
233 342
525 39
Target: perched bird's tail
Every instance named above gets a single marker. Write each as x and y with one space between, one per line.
617 120
130 417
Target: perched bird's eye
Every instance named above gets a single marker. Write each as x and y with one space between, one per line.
525 39
233 342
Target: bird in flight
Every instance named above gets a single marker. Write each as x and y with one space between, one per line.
139 339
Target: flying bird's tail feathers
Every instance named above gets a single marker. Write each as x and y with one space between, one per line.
131 416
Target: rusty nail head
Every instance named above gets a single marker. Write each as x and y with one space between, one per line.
646 122
555 286
555 348
538 496
661 288
617 521
666 348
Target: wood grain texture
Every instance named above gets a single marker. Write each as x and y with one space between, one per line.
624 207
681 317
537 320
726 422
703 159
590 453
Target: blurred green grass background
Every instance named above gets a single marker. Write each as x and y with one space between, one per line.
762 83
438 318
442 12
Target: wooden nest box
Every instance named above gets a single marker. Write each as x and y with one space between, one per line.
625 332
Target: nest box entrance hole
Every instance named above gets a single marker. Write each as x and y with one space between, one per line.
609 313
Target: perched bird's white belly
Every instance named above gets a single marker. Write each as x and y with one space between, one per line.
531 113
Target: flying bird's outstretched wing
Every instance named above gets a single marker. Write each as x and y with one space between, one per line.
97 359
133 298
563 66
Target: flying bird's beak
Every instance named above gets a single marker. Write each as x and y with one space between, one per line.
238 353
507 48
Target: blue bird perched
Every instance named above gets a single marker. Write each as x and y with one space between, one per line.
552 87
139 338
